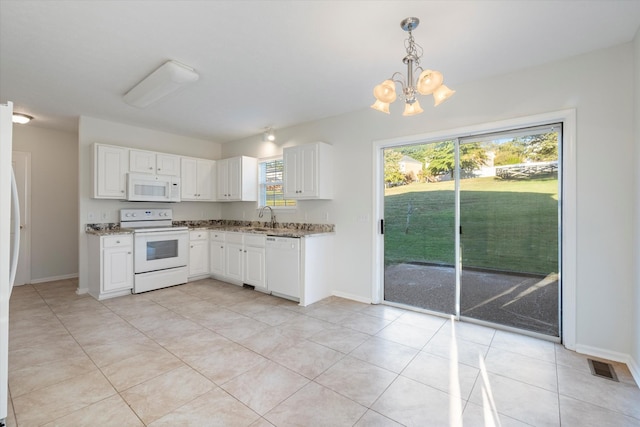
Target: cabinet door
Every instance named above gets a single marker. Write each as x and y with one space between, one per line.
234 256
188 178
142 161
117 268
204 179
217 257
198 257
254 266
222 176
290 172
111 166
234 178
168 164
308 171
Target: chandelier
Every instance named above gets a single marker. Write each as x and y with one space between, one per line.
429 81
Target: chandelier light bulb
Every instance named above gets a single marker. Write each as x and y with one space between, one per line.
429 81
381 106
442 94
385 91
411 109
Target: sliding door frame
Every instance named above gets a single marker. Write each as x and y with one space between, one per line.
568 200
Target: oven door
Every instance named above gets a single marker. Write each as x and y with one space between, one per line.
160 250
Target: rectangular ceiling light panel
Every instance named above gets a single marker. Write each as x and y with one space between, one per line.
170 77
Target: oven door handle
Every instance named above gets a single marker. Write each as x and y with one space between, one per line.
162 233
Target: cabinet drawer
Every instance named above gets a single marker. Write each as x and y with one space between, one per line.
254 240
216 236
234 238
116 241
198 235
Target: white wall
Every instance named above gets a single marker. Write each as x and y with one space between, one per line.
93 130
605 199
635 325
54 200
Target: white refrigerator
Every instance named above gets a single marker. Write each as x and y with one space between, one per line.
8 249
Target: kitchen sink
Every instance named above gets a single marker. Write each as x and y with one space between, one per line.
261 229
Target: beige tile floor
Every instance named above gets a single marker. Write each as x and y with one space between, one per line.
212 354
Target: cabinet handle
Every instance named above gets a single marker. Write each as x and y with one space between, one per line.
122 191
192 246
159 169
150 168
129 253
117 242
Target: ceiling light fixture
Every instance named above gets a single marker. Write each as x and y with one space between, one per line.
21 119
170 77
269 135
429 81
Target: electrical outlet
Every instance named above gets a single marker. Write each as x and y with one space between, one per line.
91 216
362 218
326 216
104 216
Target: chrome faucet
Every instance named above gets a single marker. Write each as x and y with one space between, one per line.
273 217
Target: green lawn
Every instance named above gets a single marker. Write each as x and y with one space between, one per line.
506 225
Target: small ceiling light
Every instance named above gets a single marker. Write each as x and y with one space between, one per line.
21 119
428 82
269 135
170 77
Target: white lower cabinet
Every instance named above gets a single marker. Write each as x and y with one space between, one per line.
238 258
198 253
233 266
255 261
110 265
216 253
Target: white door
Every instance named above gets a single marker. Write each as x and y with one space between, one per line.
21 163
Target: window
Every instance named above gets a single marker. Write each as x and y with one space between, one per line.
270 182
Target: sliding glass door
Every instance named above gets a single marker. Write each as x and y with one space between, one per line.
503 192
419 231
509 233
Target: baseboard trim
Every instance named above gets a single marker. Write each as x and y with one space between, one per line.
614 356
635 369
82 291
54 278
351 297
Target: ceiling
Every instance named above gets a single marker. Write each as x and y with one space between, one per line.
272 63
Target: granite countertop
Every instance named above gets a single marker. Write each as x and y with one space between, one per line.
282 229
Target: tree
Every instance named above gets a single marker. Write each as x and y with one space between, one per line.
509 153
541 147
442 157
392 174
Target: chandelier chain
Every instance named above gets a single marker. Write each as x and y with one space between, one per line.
413 49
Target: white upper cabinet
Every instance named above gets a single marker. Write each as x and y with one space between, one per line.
111 165
197 179
154 163
237 179
308 171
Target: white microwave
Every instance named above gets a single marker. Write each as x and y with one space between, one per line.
152 188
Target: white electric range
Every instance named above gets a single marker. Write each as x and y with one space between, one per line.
160 250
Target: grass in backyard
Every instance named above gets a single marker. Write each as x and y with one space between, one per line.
506 225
